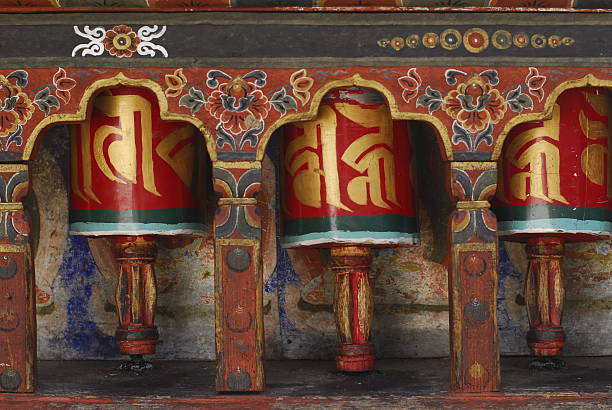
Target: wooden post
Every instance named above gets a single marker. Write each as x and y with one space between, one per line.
17 305
238 280
544 293
136 295
353 307
474 351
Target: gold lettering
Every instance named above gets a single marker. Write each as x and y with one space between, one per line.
593 157
122 153
182 161
80 135
307 181
543 160
371 154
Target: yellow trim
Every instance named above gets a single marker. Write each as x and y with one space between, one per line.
474 165
6 247
237 164
236 242
237 201
474 246
11 206
120 79
13 167
473 204
586 81
356 80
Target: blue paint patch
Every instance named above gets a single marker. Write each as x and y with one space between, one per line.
506 271
78 274
283 275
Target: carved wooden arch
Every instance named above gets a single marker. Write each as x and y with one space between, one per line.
588 80
358 81
117 80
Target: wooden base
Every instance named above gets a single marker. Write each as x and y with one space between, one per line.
544 293
136 295
353 307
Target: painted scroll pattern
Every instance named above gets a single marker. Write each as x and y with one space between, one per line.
120 41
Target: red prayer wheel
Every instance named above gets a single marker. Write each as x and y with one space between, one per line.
555 186
133 177
347 186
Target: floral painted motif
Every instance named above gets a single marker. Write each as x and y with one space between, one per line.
301 84
476 104
175 82
535 82
240 104
410 84
63 84
16 107
121 41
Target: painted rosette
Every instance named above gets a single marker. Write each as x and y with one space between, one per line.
346 175
554 176
131 172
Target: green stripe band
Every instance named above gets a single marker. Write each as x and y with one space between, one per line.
136 216
381 224
541 212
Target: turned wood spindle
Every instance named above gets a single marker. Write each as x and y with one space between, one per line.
353 307
136 295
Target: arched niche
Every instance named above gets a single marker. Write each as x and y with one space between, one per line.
175 252
357 81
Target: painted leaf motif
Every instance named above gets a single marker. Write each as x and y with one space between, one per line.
432 100
193 100
20 76
45 101
259 77
514 93
283 102
525 101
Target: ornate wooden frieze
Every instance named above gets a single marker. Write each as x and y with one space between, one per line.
512 70
17 309
473 279
238 278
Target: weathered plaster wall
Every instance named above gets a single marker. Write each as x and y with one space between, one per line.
75 281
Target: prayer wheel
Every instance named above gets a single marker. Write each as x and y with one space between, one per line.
347 186
555 187
134 177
